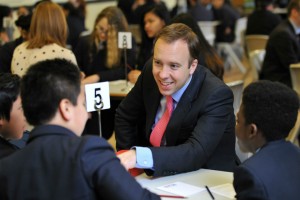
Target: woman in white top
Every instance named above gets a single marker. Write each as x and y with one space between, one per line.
47 39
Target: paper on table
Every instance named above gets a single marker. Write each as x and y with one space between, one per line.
180 188
226 190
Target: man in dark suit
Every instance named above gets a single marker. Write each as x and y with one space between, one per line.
200 133
267 114
283 47
56 163
12 120
262 20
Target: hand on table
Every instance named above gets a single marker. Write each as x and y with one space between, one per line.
128 159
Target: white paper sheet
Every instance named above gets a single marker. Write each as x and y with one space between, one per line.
226 190
181 189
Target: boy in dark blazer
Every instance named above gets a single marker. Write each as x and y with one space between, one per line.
200 132
12 120
56 163
267 114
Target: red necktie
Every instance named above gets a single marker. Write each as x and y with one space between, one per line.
160 127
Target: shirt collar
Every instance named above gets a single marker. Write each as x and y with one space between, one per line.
296 28
177 95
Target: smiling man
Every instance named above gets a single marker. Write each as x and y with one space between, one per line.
179 116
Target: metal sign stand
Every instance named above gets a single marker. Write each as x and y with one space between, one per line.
98 107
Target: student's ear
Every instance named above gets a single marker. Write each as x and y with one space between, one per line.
65 109
253 131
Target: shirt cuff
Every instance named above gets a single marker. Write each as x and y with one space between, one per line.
144 159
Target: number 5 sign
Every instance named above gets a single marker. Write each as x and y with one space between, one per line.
97 96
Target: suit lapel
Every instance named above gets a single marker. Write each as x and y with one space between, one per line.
184 106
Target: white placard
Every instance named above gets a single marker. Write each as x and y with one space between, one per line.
125 38
95 94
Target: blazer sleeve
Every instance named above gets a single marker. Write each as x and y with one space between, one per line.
248 186
107 176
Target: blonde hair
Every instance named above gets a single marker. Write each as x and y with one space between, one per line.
48 25
116 22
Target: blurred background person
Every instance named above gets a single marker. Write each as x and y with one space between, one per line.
47 39
154 19
5 19
100 59
262 20
7 50
283 47
227 16
75 11
201 10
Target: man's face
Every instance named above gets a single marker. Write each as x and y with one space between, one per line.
241 131
171 68
14 128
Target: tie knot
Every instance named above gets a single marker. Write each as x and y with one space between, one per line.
169 103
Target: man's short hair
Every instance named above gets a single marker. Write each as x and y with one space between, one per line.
43 87
272 106
9 91
293 4
180 31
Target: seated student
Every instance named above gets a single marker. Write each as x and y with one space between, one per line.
57 163
267 114
178 116
12 120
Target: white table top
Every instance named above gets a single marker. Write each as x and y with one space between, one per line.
119 88
198 178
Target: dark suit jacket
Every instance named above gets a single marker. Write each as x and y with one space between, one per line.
200 132
6 148
56 164
271 174
282 49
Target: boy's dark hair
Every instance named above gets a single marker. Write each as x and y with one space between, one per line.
272 106
43 87
9 91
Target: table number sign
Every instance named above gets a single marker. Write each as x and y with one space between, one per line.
97 96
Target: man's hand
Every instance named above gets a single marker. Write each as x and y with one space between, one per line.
128 159
133 75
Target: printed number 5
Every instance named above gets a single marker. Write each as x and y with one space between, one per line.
98 97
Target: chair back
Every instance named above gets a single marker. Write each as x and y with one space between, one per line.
256 42
240 29
295 76
237 90
208 29
256 59
293 135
